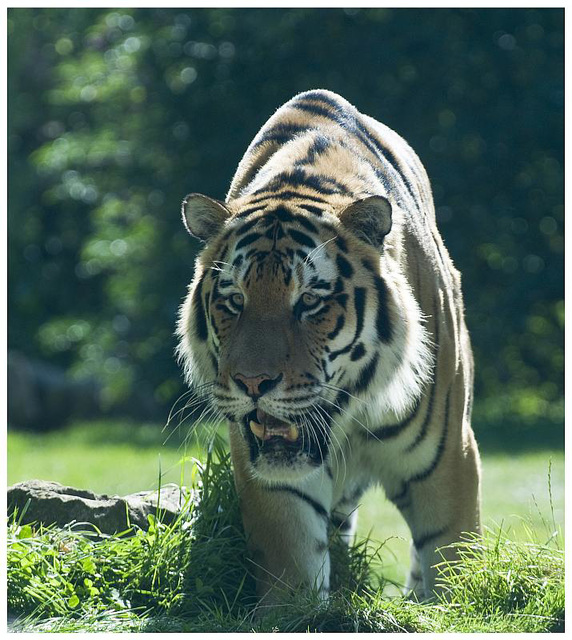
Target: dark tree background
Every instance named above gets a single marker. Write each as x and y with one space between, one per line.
114 115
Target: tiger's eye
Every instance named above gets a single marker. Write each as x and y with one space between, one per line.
237 300
309 299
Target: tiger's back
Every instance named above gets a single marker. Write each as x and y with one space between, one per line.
333 328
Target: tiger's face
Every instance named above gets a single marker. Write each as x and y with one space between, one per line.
288 317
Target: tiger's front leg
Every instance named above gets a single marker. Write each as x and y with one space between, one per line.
441 508
286 527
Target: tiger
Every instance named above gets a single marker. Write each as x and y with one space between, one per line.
325 323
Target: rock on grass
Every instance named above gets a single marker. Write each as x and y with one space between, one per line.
48 503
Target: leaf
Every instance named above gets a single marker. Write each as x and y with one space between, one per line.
73 601
88 565
26 532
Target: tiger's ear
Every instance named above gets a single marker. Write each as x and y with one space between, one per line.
203 216
369 219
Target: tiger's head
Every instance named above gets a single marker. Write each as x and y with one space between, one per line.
294 317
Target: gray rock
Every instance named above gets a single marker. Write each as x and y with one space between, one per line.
52 503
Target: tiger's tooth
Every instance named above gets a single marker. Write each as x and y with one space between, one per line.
292 434
257 429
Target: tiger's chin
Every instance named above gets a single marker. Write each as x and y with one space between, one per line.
281 451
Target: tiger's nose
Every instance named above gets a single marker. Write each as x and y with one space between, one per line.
256 386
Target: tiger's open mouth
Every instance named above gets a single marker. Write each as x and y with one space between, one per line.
280 448
267 427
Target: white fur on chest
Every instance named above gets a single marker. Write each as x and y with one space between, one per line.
363 462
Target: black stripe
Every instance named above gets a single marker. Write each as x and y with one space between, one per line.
383 324
316 283
359 304
420 542
311 209
278 139
238 261
339 326
280 133
342 244
211 317
342 524
388 155
214 294
249 239
319 96
247 226
199 312
342 300
289 195
251 266
339 187
275 233
319 144
366 375
282 214
342 399
344 267
301 238
339 287
422 475
317 110
297 177
393 430
367 264
246 212
318 508
358 352
307 224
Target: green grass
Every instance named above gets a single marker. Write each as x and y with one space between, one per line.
117 457
193 575
120 458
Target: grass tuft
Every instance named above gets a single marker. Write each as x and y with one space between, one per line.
193 575
501 585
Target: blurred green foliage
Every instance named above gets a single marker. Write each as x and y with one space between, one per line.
114 115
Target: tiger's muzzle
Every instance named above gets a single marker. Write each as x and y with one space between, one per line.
284 448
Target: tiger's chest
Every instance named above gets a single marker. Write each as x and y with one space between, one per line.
367 457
